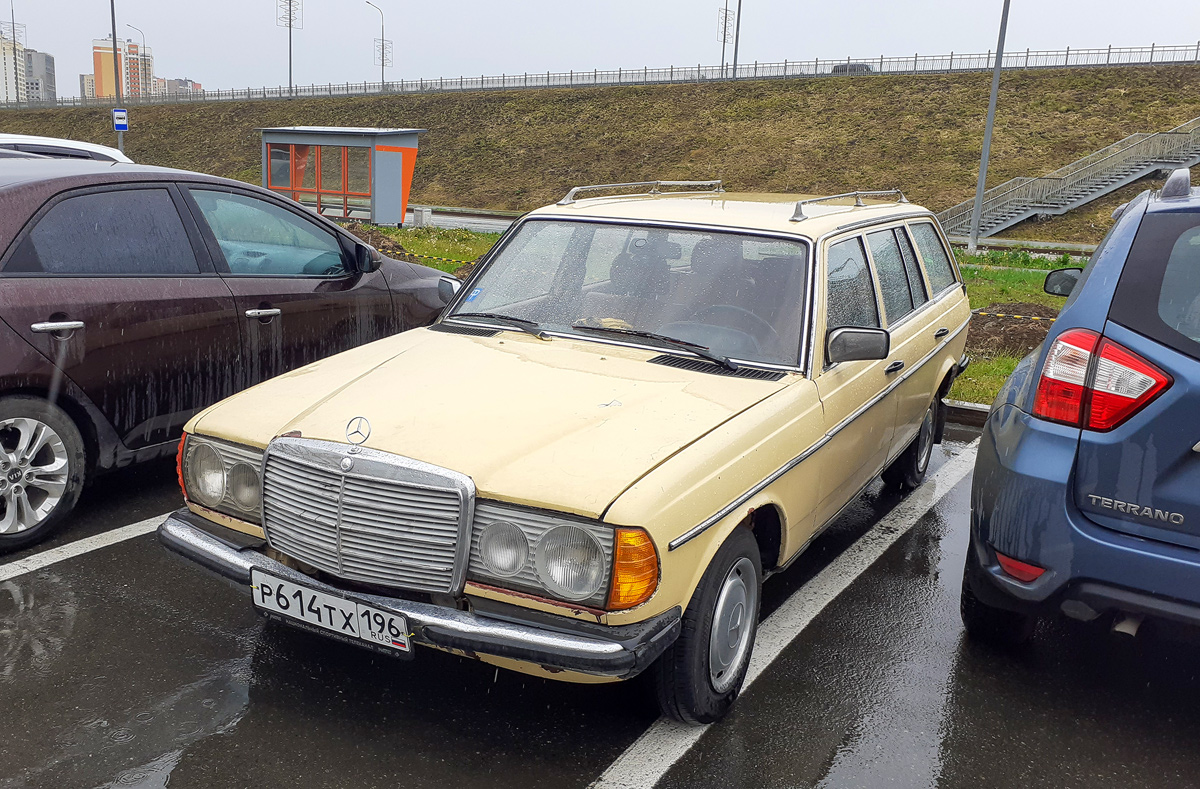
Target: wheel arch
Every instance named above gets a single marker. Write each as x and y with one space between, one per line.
73 409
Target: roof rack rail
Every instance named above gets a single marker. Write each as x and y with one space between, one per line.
695 186
858 203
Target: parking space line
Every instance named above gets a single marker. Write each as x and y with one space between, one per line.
647 760
44 559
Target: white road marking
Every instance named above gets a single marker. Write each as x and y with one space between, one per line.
40 561
665 742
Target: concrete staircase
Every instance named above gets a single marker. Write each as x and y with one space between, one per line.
1080 182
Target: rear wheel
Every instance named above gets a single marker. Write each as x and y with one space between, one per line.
987 624
42 465
699 676
907 472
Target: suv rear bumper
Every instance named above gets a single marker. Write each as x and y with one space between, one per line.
505 631
1022 504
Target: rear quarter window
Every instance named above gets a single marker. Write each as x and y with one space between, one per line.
937 262
1159 291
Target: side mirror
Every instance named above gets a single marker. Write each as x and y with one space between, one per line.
854 344
1061 282
448 287
367 258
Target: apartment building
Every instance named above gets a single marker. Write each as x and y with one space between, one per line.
12 72
135 65
40 84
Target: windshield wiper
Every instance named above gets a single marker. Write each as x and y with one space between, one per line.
527 326
700 350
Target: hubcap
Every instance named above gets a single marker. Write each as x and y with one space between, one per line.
729 642
925 441
36 470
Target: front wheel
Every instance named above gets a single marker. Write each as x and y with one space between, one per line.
907 472
42 466
698 678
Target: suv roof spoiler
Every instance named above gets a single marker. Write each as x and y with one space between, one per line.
858 203
1179 184
685 187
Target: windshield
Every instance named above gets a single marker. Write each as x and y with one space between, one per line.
739 295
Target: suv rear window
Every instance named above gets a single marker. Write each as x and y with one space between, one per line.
1159 291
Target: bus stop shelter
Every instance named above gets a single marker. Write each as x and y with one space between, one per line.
342 172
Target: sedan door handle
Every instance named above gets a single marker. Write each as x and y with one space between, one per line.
940 333
51 327
271 313
895 366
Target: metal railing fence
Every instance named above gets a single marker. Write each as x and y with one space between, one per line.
1133 153
788 69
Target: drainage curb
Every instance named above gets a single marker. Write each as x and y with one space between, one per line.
969 414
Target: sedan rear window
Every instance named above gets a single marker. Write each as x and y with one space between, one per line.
1159 292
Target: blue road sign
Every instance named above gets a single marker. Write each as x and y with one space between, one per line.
120 120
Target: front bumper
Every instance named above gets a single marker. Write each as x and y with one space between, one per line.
506 631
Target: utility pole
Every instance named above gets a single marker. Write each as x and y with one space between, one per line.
977 210
112 4
290 14
737 38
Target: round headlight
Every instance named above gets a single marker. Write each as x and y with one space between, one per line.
242 481
503 549
570 563
207 472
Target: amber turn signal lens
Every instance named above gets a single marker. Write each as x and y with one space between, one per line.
179 464
635 569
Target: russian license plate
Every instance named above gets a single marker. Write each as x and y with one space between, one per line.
346 618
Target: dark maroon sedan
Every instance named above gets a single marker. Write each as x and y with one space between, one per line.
132 297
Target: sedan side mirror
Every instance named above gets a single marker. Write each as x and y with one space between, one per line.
448 287
367 258
855 344
1061 282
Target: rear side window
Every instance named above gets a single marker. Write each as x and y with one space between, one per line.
125 231
900 295
851 292
937 262
1159 291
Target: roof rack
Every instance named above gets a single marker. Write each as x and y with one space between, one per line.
858 203
692 186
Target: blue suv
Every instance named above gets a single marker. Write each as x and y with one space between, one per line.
1086 495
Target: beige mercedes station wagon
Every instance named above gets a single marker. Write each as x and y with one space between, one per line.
637 407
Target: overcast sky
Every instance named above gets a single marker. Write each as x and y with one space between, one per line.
236 43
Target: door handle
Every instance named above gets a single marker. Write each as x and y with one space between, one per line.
52 327
895 366
260 314
940 333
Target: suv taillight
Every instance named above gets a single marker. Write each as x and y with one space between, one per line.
1092 382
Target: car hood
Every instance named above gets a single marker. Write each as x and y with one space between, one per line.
565 424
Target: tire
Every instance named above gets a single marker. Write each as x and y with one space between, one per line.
997 627
37 490
698 678
907 472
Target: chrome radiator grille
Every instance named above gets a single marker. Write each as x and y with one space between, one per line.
386 520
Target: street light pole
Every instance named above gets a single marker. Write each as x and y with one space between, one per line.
737 38
112 5
724 35
977 210
141 58
382 47
16 79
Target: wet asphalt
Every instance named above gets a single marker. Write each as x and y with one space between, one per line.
127 667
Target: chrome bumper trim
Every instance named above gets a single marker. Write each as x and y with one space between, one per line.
617 651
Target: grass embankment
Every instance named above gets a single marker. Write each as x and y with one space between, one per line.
521 149
994 354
